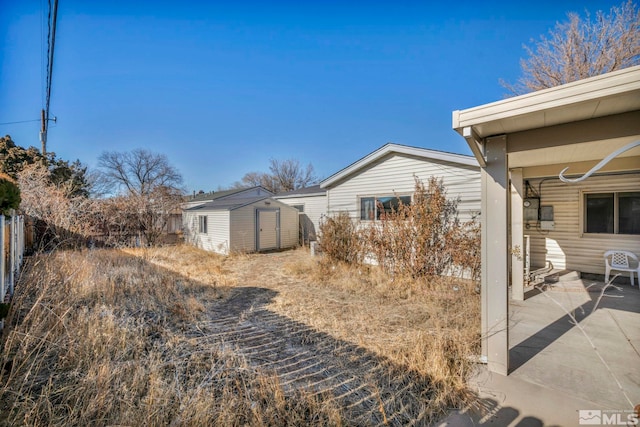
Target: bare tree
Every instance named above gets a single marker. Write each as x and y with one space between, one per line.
253 179
290 175
285 175
150 190
581 48
139 171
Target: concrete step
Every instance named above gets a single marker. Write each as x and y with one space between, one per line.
556 275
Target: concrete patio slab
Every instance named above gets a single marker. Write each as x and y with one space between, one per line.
572 347
509 401
598 359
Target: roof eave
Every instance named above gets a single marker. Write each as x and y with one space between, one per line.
210 206
619 82
293 196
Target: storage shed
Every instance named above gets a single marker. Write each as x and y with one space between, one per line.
241 225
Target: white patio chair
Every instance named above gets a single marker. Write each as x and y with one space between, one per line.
619 260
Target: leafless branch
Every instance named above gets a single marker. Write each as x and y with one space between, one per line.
579 48
139 171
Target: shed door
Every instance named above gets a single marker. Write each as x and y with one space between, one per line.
268 224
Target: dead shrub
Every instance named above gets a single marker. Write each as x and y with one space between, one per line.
465 249
61 218
414 239
424 238
341 240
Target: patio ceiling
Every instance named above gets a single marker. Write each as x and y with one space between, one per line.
586 151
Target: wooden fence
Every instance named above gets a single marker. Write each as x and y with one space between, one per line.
12 244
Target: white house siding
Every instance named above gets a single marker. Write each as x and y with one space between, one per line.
566 246
217 237
288 226
243 229
315 207
394 174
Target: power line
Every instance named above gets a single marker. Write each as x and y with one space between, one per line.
51 43
54 120
42 41
23 121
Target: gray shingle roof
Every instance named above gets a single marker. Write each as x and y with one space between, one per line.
227 204
214 195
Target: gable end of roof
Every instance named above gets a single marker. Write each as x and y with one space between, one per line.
388 148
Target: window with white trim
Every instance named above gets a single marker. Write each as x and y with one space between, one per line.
374 208
202 224
612 213
299 207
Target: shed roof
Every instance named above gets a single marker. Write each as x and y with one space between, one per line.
401 149
226 204
214 195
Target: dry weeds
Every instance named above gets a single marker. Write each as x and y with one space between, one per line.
178 336
429 326
104 338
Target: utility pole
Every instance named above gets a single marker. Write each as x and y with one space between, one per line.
43 133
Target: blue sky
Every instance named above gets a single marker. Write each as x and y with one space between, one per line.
222 87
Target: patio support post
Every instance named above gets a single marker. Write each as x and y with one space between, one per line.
495 192
517 240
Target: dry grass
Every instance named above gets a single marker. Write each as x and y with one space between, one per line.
188 261
429 325
103 338
177 336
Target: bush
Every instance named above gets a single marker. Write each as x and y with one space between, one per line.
341 239
61 219
9 195
421 239
465 249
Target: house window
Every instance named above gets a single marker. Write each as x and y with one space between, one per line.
202 224
374 208
612 213
299 207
